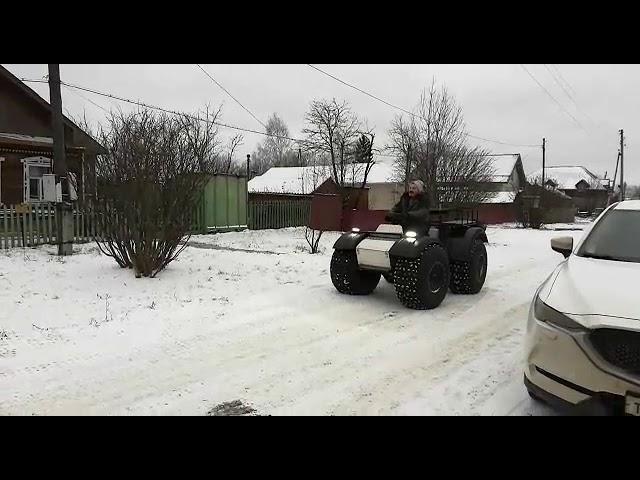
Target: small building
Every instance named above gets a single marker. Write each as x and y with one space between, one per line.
26 145
588 191
382 192
507 179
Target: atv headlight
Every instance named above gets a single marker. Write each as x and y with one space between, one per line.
355 229
410 234
545 313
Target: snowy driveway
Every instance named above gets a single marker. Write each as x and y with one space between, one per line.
81 336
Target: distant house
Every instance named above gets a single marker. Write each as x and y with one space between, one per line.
587 190
507 179
292 182
508 174
384 189
26 145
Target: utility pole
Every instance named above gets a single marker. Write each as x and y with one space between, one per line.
64 214
248 166
622 192
544 144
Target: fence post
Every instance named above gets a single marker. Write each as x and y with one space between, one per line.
31 232
6 228
12 226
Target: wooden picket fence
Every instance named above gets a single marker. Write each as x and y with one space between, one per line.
32 225
266 214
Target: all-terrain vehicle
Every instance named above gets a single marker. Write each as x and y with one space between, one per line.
449 253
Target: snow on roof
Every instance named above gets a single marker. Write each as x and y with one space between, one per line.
304 180
567 177
26 138
291 180
501 197
503 166
379 173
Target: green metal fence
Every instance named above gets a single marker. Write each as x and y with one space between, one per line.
223 205
278 213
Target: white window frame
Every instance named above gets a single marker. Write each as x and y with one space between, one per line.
33 162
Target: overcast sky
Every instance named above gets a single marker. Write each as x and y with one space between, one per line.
500 102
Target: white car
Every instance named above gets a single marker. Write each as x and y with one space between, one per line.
583 333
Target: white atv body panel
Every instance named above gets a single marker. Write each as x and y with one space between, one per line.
384 228
374 253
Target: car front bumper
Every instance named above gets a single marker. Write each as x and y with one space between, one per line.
563 369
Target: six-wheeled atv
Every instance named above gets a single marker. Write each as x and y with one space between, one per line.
422 267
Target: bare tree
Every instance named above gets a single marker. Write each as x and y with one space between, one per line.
235 142
150 181
432 146
275 149
332 130
202 136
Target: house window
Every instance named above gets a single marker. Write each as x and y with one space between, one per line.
34 169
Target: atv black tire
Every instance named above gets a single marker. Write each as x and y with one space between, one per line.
348 278
468 277
422 283
388 277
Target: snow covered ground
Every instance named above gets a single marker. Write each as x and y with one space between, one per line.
250 316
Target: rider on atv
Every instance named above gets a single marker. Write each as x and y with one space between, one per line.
412 211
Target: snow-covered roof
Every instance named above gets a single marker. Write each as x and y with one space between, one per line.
304 180
501 197
567 177
381 172
503 166
290 180
26 138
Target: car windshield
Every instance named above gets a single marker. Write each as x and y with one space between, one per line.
615 237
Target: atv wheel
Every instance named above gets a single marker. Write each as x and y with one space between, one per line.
468 277
348 278
422 283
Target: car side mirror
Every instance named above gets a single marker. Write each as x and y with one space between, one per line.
563 245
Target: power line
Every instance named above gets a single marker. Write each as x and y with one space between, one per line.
87 99
567 92
229 93
407 111
563 79
362 91
172 112
553 98
166 110
555 78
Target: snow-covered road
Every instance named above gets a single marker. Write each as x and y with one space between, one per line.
81 336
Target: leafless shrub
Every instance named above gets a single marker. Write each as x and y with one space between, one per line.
150 181
313 238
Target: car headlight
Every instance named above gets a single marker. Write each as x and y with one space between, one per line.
545 313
